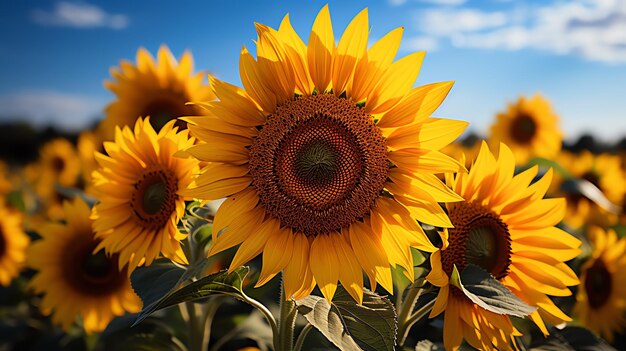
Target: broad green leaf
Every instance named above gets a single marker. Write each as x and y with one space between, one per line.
487 292
220 283
350 326
153 282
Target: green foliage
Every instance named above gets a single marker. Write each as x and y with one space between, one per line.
350 326
221 283
487 292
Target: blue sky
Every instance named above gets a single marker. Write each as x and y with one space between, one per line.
54 55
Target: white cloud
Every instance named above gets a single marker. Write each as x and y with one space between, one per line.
422 43
79 15
42 108
595 30
445 22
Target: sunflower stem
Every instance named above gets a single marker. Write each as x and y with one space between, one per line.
404 311
303 333
196 327
415 317
268 315
287 322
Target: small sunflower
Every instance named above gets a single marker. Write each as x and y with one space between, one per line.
326 158
76 281
138 186
605 173
158 89
601 299
13 245
58 165
506 227
530 128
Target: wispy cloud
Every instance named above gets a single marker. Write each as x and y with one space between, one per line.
434 2
79 15
43 108
595 30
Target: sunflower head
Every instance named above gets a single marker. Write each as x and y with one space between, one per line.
602 171
77 279
13 245
601 298
159 89
530 128
506 227
58 165
327 157
138 185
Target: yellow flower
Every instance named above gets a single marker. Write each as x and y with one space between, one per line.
75 281
466 150
605 173
530 128
138 186
601 299
326 158
506 227
159 90
13 245
5 183
58 165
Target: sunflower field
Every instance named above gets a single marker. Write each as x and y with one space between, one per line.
316 204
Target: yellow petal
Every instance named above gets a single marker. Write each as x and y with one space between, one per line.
395 83
320 50
351 48
325 265
419 104
276 254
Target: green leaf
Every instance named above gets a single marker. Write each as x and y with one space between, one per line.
220 283
545 163
487 292
153 282
350 326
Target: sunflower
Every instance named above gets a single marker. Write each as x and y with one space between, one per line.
159 90
13 245
604 172
467 150
138 187
5 183
58 165
601 300
506 227
530 128
75 279
326 158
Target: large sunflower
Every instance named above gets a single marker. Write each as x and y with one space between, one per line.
601 299
530 128
159 90
327 157
605 173
138 186
13 245
76 281
506 227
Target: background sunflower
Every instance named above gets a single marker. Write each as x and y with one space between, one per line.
529 127
75 280
159 90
